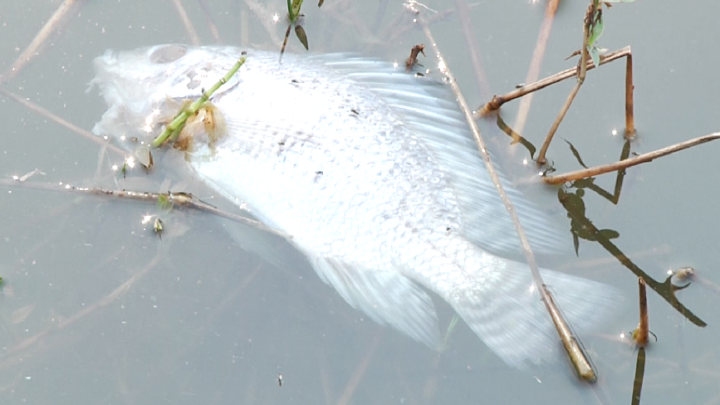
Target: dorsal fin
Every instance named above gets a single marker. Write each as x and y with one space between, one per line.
428 108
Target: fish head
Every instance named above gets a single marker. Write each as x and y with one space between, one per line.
145 88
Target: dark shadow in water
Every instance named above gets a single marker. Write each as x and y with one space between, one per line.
589 182
517 138
581 227
639 376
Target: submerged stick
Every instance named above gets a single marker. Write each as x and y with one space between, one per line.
189 29
118 292
181 199
210 22
55 23
577 357
47 114
639 377
463 13
623 164
537 58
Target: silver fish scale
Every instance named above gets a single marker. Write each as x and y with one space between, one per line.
347 153
373 175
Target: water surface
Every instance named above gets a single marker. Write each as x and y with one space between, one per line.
96 309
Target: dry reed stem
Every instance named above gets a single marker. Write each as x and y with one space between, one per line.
463 13
629 99
561 116
47 114
577 357
105 301
210 22
498 101
189 29
176 199
623 164
582 72
55 23
537 58
358 374
640 335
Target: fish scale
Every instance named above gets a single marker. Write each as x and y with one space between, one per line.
375 176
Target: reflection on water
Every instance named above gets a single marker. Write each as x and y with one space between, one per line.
95 308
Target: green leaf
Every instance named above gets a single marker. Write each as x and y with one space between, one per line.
595 55
609 234
597 30
300 32
296 4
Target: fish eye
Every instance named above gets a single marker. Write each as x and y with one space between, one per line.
168 53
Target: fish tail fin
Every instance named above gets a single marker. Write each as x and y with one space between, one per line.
502 305
386 296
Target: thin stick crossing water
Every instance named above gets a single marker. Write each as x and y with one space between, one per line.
578 358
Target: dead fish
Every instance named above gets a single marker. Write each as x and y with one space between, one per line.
374 174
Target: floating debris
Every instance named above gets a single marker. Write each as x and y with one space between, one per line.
411 61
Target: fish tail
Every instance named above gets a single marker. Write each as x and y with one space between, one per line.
501 304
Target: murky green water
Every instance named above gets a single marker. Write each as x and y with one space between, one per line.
96 309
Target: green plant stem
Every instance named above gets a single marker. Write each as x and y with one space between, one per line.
176 125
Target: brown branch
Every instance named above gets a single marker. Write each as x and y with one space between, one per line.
189 29
537 58
47 114
577 357
55 23
498 101
582 71
640 335
210 22
623 164
629 103
180 199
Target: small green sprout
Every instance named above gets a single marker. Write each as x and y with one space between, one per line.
158 227
172 131
164 202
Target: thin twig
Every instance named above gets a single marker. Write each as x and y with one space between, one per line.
623 164
498 101
537 58
577 357
189 29
47 114
210 22
56 22
582 71
463 13
345 397
87 310
180 199
556 124
629 103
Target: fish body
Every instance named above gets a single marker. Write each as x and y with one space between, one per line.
374 175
